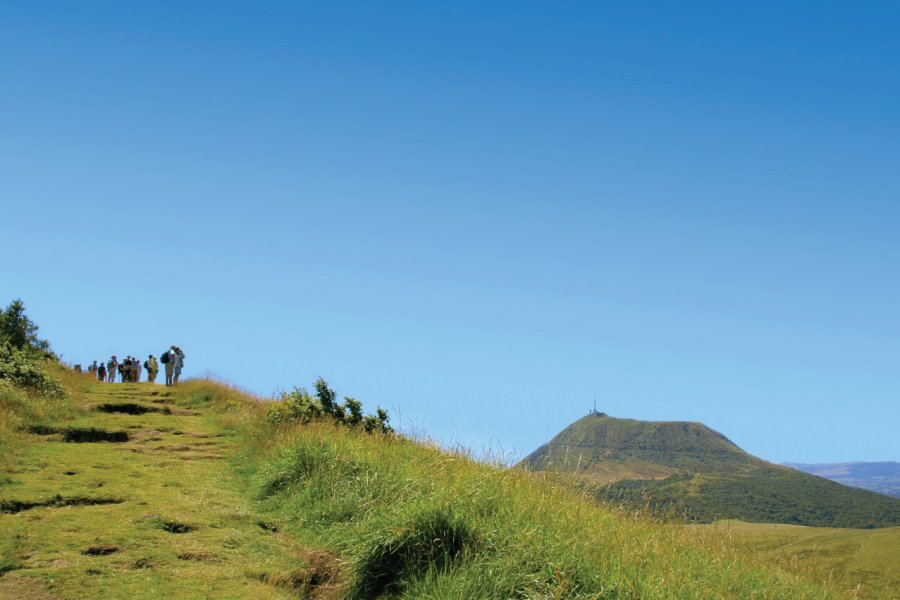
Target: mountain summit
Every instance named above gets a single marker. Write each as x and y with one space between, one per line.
689 469
606 449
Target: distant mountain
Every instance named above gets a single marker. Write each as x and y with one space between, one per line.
881 477
688 469
605 449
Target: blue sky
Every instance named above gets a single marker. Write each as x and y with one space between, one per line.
479 216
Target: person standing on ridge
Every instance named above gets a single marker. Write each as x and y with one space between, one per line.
111 368
178 360
166 358
101 372
152 367
137 369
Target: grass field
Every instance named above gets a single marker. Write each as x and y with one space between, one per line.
863 559
140 491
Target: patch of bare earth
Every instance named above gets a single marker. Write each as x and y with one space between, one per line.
321 579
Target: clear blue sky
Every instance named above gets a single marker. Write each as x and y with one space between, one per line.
477 215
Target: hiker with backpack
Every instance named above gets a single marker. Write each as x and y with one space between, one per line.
166 359
152 367
178 360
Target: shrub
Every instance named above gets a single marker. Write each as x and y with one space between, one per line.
299 406
353 415
326 396
296 406
19 331
22 368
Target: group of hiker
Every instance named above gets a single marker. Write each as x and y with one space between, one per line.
129 369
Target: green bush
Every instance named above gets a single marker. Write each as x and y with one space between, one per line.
25 369
299 406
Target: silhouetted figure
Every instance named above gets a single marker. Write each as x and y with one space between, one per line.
127 369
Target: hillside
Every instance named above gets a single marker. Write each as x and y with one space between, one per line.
869 558
690 470
605 449
881 477
133 498
142 491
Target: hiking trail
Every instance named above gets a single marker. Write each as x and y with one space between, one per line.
138 498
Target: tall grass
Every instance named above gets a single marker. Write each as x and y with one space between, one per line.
413 521
403 518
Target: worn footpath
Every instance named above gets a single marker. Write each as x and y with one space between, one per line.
139 498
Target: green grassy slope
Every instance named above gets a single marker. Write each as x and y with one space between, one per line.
208 499
768 495
161 515
867 560
691 470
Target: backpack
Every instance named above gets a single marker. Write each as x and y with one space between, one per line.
164 359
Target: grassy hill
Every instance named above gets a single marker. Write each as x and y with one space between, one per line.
141 491
688 469
606 449
867 558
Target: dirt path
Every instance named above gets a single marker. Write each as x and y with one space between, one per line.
137 499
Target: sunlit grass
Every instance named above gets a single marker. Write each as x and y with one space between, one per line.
494 533
171 518
208 498
863 563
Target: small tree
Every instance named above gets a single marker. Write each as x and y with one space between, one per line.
19 331
353 415
377 423
326 396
